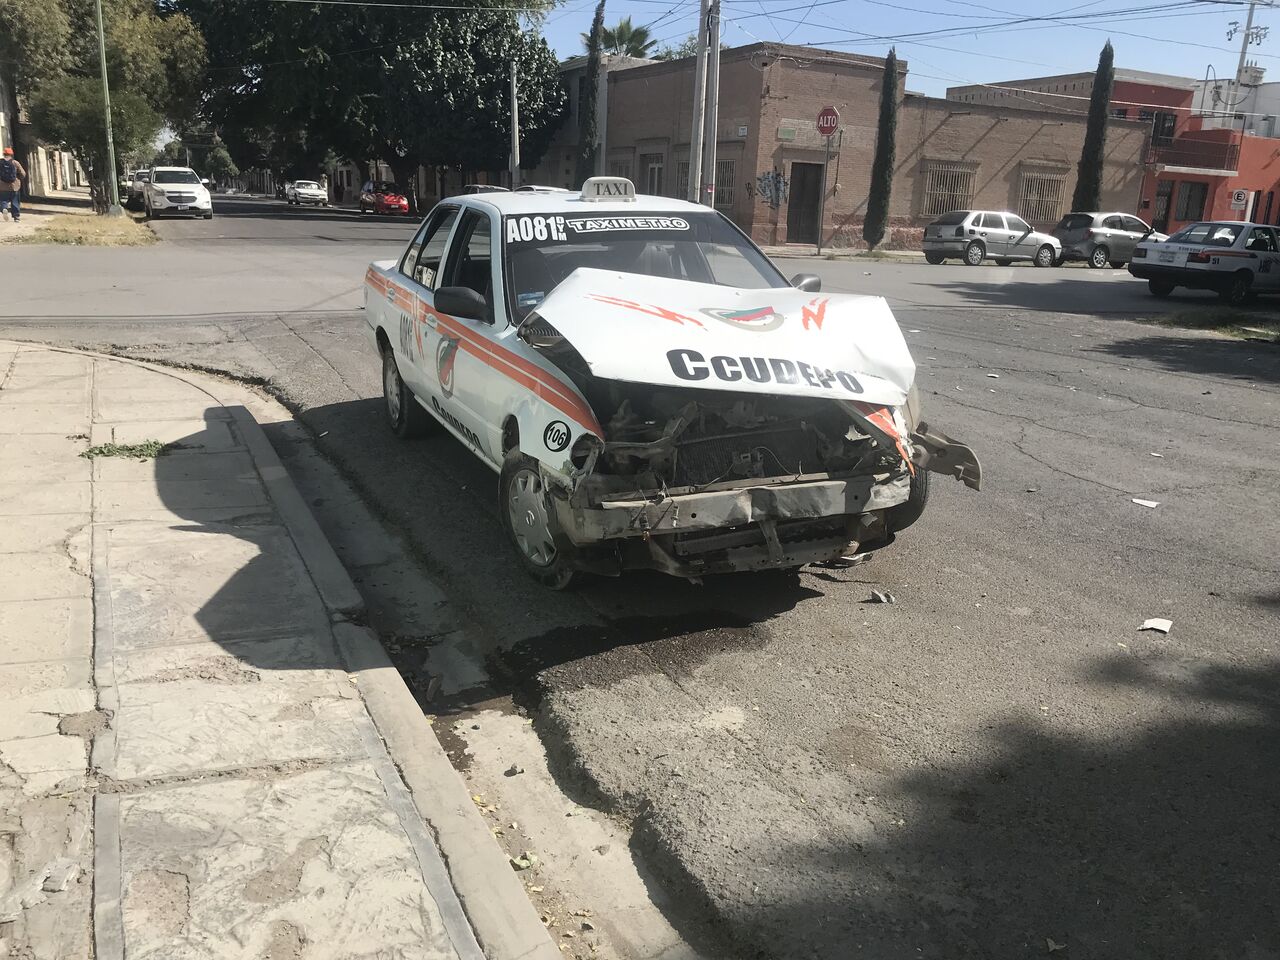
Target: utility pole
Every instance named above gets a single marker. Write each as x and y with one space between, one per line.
113 188
1246 36
713 106
699 107
515 131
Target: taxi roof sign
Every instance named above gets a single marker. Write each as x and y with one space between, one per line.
608 188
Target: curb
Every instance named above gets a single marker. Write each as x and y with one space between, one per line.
492 897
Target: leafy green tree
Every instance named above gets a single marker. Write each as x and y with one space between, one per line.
33 43
69 111
624 40
876 223
586 166
1088 192
688 47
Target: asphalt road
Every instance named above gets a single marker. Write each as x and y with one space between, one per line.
998 763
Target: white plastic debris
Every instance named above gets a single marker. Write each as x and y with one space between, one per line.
1160 455
882 596
1146 503
1158 624
993 376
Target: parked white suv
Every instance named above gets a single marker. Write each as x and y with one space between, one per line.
977 235
177 190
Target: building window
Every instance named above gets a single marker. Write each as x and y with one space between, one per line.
1162 127
1191 197
682 179
1040 195
1120 113
651 165
726 174
947 186
1146 115
620 168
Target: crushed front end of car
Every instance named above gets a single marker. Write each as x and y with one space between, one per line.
752 436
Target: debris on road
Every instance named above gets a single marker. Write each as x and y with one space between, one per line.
1053 945
1159 624
993 376
1146 503
881 596
513 771
525 861
842 563
1160 455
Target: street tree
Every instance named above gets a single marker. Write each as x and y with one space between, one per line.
1088 192
876 223
623 39
586 166
688 47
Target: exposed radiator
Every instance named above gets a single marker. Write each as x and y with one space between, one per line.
778 450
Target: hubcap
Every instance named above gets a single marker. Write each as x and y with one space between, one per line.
391 388
1099 258
975 255
527 511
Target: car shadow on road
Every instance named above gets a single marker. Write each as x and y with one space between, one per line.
1069 291
1251 361
1154 840
263 209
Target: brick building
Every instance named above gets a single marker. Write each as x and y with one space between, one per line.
770 157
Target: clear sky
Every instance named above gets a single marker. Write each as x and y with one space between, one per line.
952 42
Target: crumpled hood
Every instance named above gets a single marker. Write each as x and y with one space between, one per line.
776 341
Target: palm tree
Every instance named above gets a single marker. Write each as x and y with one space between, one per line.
624 39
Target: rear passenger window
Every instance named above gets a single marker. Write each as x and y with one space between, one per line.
992 221
1261 240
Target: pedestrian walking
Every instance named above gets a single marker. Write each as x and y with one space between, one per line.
11 176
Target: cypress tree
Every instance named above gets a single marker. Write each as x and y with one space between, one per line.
1088 194
876 223
587 103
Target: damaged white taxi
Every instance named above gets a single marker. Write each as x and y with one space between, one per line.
651 390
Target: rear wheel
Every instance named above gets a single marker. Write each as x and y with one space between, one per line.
1098 258
1237 291
1160 288
529 518
405 415
1045 257
1117 264
974 253
934 258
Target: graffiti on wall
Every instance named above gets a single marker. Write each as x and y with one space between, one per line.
770 187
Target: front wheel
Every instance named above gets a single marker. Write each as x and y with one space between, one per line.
974 253
1237 291
912 509
529 518
405 415
934 258
1098 258
362 208
1159 288
1118 264
1045 257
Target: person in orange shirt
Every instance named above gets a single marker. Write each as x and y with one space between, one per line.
11 175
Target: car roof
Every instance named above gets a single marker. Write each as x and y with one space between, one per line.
185 169
537 202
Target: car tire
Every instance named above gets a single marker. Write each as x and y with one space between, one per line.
1238 290
1117 264
974 253
362 209
530 522
1004 262
934 258
209 215
405 416
910 510
1098 257
1045 257
1160 289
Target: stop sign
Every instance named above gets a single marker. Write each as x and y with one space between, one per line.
828 121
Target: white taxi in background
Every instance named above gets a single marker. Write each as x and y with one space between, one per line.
651 390
1236 259
306 191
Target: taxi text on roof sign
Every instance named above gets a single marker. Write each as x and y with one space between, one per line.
608 188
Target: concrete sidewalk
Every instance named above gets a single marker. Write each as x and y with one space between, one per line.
201 754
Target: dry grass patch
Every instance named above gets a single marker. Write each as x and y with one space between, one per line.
1259 323
92 231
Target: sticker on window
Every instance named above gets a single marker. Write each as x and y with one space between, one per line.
530 299
608 224
526 229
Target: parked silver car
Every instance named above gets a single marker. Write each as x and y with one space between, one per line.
1100 239
977 235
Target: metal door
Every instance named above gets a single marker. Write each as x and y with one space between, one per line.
1160 216
802 207
991 231
1022 241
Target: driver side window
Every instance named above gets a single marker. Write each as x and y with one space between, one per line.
422 259
471 259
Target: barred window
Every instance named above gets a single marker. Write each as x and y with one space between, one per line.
1040 195
682 179
726 174
651 165
620 168
947 187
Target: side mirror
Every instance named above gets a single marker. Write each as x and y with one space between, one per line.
808 282
461 302
205 181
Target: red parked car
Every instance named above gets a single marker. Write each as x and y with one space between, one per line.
382 196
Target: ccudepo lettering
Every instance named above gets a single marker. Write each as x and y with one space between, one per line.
457 424
691 365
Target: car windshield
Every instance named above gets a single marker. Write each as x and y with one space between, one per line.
306 185
951 219
175 176
1208 234
1076 221
384 186
702 247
